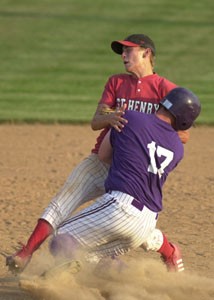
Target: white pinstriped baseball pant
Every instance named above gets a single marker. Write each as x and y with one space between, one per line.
111 225
85 183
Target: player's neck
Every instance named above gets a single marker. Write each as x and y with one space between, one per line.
165 116
143 72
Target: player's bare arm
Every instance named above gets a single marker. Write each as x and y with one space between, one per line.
113 119
106 150
184 136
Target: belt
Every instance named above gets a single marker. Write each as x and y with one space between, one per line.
137 204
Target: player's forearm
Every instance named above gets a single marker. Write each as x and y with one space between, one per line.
105 152
107 160
106 116
100 121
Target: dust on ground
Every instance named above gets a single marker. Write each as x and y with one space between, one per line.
36 160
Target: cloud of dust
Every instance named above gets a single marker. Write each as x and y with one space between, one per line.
146 279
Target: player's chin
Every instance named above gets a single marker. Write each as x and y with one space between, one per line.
130 69
127 67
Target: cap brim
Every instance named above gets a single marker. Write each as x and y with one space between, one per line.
117 46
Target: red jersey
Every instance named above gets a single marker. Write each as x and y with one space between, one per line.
140 94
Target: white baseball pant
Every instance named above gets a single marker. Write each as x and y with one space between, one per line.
85 183
111 226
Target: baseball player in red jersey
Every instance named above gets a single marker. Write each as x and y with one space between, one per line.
140 90
141 157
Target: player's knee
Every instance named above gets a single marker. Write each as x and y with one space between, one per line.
63 245
154 241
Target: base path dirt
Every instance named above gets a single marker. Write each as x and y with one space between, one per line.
36 160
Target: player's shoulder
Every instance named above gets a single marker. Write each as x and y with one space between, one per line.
164 85
166 82
138 117
162 80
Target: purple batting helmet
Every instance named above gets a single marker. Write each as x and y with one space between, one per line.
183 105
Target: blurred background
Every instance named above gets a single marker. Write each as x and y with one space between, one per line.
55 55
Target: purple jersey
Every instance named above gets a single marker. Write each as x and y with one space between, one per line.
144 153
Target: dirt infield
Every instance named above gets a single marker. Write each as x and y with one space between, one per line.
35 161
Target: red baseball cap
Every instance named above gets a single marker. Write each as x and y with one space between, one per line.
134 40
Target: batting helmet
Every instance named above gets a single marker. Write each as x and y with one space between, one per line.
183 105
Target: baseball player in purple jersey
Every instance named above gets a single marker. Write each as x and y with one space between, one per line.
141 157
140 90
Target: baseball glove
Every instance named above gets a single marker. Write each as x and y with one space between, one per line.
108 110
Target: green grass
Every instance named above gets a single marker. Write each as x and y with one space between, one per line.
56 57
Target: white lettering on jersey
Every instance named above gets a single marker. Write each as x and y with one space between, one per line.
130 105
141 106
136 106
149 108
120 102
160 151
123 101
156 106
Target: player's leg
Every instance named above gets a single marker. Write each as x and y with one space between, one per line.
18 261
85 183
64 246
170 252
110 226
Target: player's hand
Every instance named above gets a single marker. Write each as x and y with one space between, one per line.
107 116
116 119
183 135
